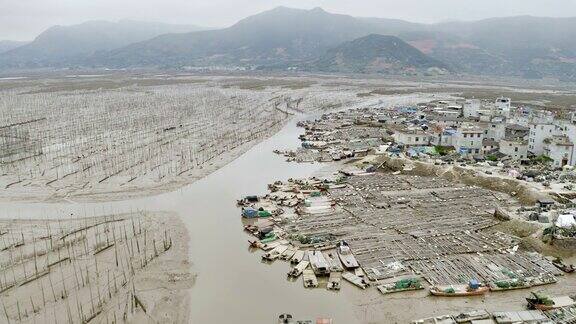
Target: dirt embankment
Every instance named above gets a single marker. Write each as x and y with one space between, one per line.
524 193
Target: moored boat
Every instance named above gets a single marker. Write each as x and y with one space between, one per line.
473 288
288 254
401 285
297 257
298 269
274 253
318 263
567 268
310 280
355 280
346 256
542 302
334 281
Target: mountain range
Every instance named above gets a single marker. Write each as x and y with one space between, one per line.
68 46
376 54
315 40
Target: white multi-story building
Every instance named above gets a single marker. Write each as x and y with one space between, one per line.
412 137
560 149
503 106
471 108
538 133
515 148
496 128
468 140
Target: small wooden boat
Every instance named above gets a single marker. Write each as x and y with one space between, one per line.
253 244
346 256
511 284
310 280
542 302
400 285
274 253
567 268
334 281
297 257
468 317
334 262
298 269
355 280
318 263
286 255
267 246
457 291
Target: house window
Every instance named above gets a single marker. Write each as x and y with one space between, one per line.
477 151
465 135
515 149
417 139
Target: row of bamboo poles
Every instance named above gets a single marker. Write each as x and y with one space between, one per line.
78 270
94 136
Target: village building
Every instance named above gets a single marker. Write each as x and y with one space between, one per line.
516 131
496 128
471 108
515 148
489 145
560 149
537 134
412 136
503 106
468 140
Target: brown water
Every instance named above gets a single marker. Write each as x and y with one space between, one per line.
232 285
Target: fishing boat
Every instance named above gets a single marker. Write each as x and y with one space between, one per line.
400 285
355 280
286 255
267 246
274 253
334 262
318 263
334 281
510 284
473 288
297 257
346 256
472 316
567 268
298 269
542 302
310 280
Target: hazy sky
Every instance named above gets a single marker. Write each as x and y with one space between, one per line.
25 19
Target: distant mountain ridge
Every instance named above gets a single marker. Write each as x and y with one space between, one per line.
276 37
376 54
71 45
286 38
7 45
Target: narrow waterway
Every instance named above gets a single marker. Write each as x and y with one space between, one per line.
232 285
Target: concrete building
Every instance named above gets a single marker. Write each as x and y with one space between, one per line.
468 140
496 128
560 149
412 137
444 137
514 147
489 145
516 131
503 106
537 134
471 108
